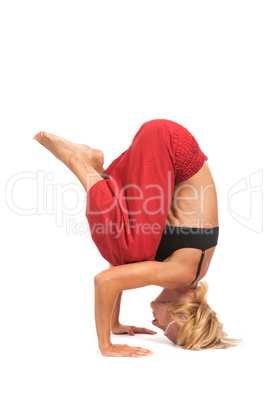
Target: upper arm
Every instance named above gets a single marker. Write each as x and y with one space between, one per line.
170 274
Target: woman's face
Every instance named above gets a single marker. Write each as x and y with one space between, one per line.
162 317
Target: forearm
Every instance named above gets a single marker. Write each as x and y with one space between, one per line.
116 311
108 286
105 298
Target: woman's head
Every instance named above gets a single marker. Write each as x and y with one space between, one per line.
193 324
162 317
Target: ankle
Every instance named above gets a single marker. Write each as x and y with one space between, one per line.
98 169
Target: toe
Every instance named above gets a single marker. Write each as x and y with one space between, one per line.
39 136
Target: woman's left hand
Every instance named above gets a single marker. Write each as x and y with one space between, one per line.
119 329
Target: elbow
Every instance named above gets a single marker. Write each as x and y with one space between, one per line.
105 282
99 279
102 279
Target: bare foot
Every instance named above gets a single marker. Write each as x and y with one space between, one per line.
66 150
97 160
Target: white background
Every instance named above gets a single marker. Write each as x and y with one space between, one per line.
94 72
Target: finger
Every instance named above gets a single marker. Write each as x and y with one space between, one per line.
145 331
144 351
130 332
149 331
139 354
134 355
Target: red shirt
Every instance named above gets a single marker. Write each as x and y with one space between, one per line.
127 211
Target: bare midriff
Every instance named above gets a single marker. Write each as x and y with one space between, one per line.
194 204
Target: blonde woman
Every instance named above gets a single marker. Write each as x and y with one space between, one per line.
153 216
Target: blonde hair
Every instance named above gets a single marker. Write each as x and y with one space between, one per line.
199 326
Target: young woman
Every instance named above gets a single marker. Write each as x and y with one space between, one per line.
153 216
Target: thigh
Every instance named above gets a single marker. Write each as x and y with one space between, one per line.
135 199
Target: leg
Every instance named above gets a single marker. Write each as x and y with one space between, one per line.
128 212
84 171
79 158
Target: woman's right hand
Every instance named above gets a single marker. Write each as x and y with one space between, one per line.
125 351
